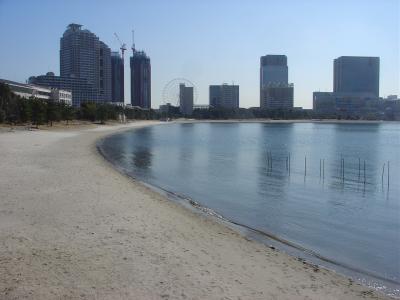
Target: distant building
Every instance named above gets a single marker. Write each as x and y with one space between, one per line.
346 105
225 96
201 106
275 90
169 109
391 98
140 80
356 74
324 103
84 56
277 96
355 89
80 89
117 78
28 91
185 99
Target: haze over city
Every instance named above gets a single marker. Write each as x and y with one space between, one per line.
211 42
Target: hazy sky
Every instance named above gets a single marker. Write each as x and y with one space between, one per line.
211 42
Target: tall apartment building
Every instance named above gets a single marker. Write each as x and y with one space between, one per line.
225 96
140 79
84 56
356 74
275 90
185 99
117 78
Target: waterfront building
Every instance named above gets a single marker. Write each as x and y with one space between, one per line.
185 99
277 96
225 96
347 105
81 90
117 78
140 79
84 56
355 89
29 91
356 74
275 90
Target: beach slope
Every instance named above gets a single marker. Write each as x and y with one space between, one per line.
72 227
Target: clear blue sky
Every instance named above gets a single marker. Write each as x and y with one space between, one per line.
211 42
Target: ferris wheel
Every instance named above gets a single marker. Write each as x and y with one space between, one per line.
170 92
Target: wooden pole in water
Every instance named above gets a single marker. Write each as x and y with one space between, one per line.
271 159
289 163
305 165
286 163
341 164
359 169
388 174
364 174
323 168
383 172
320 168
343 169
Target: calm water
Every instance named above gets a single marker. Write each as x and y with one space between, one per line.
225 167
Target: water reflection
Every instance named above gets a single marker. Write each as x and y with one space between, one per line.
138 148
142 158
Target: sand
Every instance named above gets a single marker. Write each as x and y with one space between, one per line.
72 227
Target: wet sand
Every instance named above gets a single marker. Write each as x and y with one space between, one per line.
72 227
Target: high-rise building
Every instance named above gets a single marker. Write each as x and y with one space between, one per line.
140 80
117 77
185 99
275 91
225 96
273 69
84 56
356 74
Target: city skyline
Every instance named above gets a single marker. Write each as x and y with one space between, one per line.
180 46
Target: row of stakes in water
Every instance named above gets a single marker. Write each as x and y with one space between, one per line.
322 168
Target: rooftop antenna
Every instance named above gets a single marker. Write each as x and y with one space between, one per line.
133 42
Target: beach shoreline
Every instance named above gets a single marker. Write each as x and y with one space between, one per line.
78 228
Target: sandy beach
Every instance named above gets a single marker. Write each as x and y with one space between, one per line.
72 227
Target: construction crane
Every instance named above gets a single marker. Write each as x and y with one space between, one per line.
123 45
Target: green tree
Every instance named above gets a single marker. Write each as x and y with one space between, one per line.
25 109
102 113
88 111
67 112
39 109
53 112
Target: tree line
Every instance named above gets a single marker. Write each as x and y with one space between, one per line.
18 110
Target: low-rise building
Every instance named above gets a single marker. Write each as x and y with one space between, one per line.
355 105
28 91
